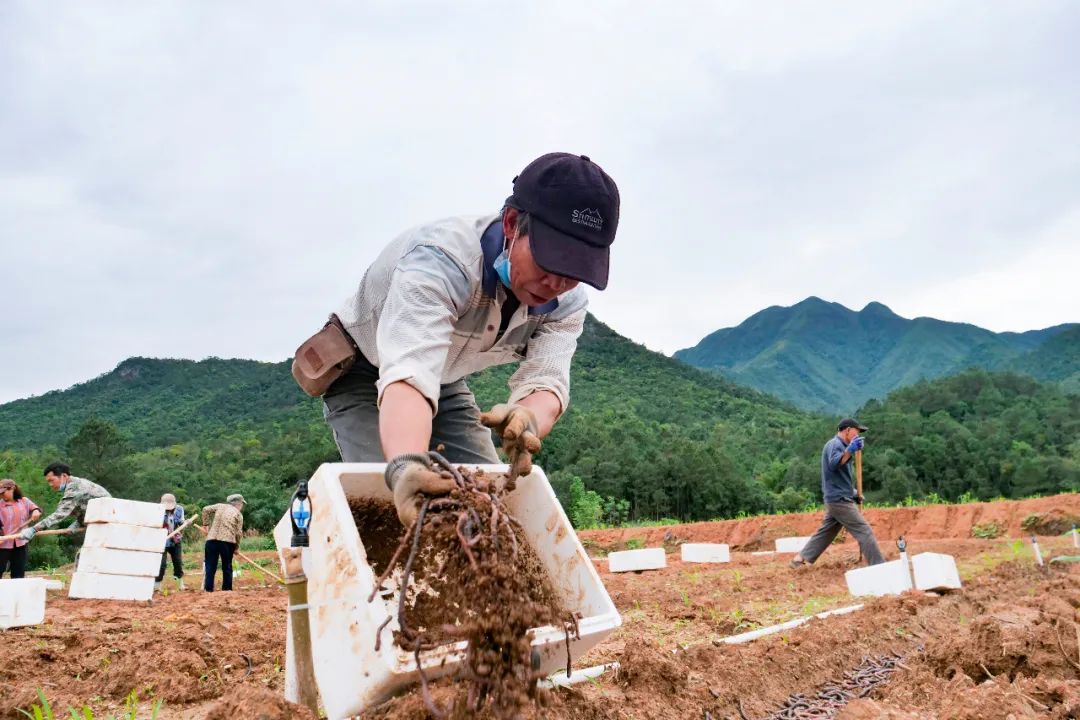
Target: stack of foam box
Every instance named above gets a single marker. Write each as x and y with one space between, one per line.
121 554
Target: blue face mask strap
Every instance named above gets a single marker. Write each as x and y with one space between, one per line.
502 263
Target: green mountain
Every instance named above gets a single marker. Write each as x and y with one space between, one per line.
822 356
1055 360
669 438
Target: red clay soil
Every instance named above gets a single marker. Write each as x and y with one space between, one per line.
189 648
1014 518
1003 619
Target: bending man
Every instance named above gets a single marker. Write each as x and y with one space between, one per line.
456 296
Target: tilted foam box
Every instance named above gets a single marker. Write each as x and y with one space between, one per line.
125 537
350 674
634 560
935 571
119 562
791 544
22 602
706 553
110 587
128 512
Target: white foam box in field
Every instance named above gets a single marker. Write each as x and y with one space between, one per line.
791 544
888 578
350 673
119 562
128 512
125 537
935 571
635 560
22 602
99 586
706 552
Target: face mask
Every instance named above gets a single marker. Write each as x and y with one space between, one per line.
502 263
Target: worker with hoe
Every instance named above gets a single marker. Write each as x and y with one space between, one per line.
222 539
454 297
77 493
842 502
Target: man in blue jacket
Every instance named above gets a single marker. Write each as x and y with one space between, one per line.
842 503
174 518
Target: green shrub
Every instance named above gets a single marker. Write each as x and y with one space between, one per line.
986 531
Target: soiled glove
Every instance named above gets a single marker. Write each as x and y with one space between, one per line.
411 477
855 445
518 429
28 533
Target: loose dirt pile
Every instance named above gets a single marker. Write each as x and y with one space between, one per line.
464 571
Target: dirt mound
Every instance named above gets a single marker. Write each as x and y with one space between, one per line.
256 704
1052 522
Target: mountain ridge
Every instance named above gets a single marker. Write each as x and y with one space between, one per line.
824 357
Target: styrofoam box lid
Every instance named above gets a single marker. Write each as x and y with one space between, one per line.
129 512
633 560
22 602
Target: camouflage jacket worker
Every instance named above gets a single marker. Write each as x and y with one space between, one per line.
77 493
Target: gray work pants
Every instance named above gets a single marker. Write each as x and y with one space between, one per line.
847 515
350 408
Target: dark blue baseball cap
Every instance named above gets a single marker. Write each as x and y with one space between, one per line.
573 208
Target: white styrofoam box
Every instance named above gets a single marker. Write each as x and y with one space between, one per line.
349 673
125 537
887 578
633 560
706 552
22 602
129 512
119 562
110 587
51 584
935 571
791 544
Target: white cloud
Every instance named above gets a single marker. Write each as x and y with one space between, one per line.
198 179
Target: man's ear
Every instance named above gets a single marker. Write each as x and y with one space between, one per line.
509 221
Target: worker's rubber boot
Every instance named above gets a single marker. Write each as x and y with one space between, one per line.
157 586
179 583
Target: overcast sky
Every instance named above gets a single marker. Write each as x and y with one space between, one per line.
192 179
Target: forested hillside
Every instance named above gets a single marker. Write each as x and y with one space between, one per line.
824 357
645 437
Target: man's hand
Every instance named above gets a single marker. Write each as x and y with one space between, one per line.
28 534
855 445
517 427
410 477
859 500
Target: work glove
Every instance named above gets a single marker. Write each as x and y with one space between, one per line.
410 477
518 429
28 534
855 445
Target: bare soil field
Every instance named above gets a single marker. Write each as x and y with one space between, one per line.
1006 645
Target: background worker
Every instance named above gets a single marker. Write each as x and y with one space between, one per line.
16 511
77 493
456 296
222 539
174 518
842 502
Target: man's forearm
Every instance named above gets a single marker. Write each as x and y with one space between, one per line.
545 405
404 421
